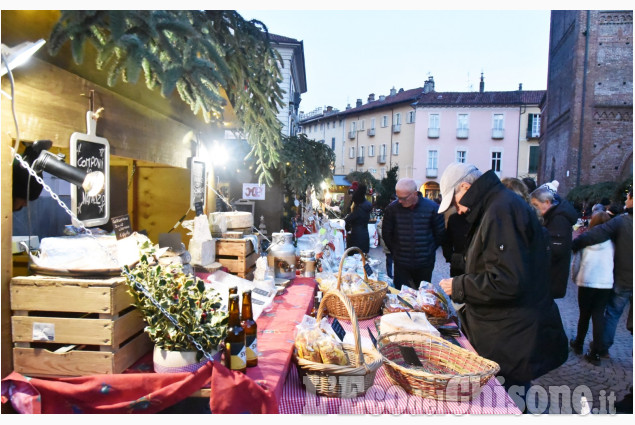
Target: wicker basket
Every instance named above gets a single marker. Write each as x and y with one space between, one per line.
347 381
366 305
448 373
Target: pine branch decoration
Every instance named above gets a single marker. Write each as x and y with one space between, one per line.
196 53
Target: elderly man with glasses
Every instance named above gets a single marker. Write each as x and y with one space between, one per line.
412 231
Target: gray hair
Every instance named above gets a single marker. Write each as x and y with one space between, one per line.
543 194
406 184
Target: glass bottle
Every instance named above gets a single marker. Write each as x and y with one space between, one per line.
233 290
235 353
251 330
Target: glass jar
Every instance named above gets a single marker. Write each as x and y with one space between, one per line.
307 263
281 257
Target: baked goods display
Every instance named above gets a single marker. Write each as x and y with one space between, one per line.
318 342
426 300
352 283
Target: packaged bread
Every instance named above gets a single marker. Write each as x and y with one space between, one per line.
331 351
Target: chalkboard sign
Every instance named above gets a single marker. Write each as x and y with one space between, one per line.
121 226
91 153
198 182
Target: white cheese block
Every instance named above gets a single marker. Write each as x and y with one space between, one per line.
203 252
239 219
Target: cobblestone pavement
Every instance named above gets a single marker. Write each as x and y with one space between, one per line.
612 378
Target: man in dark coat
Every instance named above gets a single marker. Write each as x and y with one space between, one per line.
511 317
558 216
412 230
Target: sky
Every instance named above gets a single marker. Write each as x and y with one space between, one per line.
352 53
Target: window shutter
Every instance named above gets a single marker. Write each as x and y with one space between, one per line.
530 122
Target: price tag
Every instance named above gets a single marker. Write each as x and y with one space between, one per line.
257 301
121 226
338 329
410 356
260 292
198 207
372 338
368 269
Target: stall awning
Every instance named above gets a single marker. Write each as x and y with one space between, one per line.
339 180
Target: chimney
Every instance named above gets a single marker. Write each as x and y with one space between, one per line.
520 87
371 97
428 86
382 97
348 106
401 90
329 108
482 84
393 91
359 103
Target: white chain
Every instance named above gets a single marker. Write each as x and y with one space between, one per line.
137 284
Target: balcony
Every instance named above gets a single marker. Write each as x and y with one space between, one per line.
370 132
352 134
433 133
360 160
381 159
462 133
498 133
533 134
396 128
432 173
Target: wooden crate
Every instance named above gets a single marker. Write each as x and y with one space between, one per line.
238 256
63 326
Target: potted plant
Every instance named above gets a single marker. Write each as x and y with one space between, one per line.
195 308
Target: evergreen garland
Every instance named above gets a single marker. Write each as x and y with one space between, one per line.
196 53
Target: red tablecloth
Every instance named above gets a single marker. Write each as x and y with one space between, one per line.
136 391
384 397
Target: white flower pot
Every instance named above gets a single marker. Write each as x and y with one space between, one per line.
176 361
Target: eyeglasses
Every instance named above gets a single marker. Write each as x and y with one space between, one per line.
404 198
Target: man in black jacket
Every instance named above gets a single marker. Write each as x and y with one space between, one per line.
412 231
510 315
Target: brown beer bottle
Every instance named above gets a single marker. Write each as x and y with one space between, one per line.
233 290
251 330
235 355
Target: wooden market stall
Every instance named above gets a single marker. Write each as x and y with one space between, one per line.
150 137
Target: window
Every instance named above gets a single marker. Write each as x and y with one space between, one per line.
498 122
533 126
382 151
371 150
333 143
328 125
372 170
321 126
314 127
410 117
496 161
384 121
462 123
382 172
361 151
372 123
534 155
361 125
353 126
352 152
397 119
395 148
433 157
433 121
461 156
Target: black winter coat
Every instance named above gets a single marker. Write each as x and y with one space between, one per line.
454 243
509 314
559 221
413 234
357 222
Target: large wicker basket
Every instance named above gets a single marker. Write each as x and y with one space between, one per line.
448 373
347 381
366 305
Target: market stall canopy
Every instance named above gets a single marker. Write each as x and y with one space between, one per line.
339 180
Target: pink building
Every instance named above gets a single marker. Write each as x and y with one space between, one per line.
482 128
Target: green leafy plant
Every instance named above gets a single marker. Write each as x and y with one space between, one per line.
196 309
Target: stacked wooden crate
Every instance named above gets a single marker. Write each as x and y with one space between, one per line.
238 256
63 326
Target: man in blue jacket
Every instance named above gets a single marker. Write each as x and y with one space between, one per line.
412 231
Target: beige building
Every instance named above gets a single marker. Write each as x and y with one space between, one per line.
373 136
